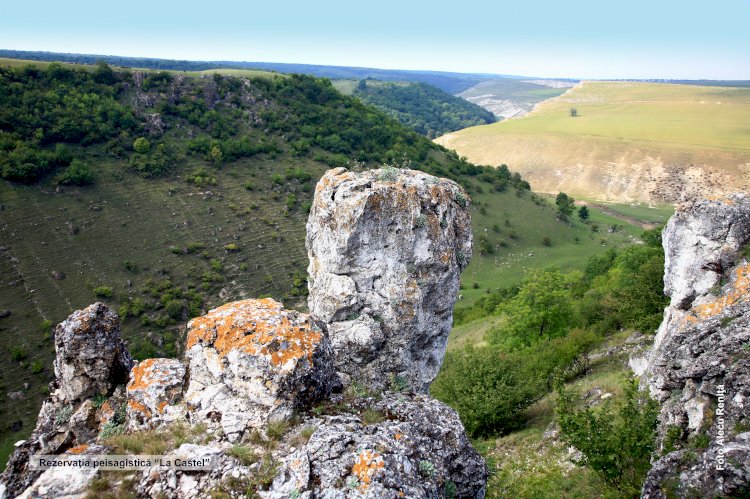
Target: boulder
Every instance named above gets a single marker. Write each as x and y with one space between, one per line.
386 248
419 449
251 362
90 357
154 388
699 369
91 360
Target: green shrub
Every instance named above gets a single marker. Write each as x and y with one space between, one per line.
174 308
37 367
103 292
616 441
78 173
141 145
488 387
542 309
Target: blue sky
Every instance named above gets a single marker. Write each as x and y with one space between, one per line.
577 39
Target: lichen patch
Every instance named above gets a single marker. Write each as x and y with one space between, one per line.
739 291
368 463
257 327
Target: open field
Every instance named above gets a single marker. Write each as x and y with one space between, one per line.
648 142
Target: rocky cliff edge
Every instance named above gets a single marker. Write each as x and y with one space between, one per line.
699 367
333 404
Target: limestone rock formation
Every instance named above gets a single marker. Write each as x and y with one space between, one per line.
252 362
154 388
90 356
386 248
258 395
65 482
699 368
90 360
419 449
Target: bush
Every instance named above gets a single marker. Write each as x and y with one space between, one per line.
18 354
174 309
141 145
103 292
488 387
77 173
616 441
542 309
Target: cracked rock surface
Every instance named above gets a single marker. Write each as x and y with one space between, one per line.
386 249
699 368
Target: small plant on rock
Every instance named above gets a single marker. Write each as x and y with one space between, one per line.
426 468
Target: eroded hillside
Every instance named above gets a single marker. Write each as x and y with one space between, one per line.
643 142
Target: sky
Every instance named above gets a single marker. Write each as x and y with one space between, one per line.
601 39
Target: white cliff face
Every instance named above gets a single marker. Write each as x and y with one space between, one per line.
386 248
699 368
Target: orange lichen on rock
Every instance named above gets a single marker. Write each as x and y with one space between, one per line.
258 327
366 467
80 449
139 407
148 372
106 411
739 291
161 406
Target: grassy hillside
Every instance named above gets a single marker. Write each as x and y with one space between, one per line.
420 106
648 142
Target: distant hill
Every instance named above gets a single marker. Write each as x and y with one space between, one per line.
420 106
514 97
450 82
629 141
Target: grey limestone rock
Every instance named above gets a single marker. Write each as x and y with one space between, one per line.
90 355
699 368
386 248
91 359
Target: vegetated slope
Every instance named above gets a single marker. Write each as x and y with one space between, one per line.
514 97
572 328
450 82
422 107
164 195
648 142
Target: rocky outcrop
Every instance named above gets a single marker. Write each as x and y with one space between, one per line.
258 396
699 368
65 482
154 389
386 248
252 362
91 360
90 356
419 449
